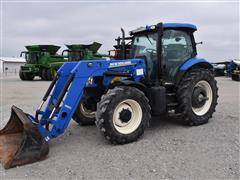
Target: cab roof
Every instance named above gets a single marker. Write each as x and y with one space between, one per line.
180 25
191 27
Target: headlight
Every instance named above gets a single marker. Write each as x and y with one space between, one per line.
89 81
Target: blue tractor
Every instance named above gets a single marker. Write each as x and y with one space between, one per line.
162 75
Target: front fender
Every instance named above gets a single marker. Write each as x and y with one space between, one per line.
132 83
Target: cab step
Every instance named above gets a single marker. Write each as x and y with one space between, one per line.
168 84
172 104
171 94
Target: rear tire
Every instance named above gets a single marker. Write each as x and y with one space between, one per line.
44 75
49 75
54 72
123 114
84 116
197 96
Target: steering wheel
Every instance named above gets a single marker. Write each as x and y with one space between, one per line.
151 50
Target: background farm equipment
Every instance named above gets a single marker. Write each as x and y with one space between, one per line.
122 48
43 61
39 58
235 64
162 76
77 52
220 68
228 68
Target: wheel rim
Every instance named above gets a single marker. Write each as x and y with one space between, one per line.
206 95
86 112
54 73
129 123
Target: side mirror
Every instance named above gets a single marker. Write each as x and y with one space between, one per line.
66 50
23 52
199 43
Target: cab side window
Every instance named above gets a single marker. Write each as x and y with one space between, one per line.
145 46
176 49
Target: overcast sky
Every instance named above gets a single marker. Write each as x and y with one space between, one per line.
25 23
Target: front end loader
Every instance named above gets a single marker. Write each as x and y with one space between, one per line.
24 138
162 76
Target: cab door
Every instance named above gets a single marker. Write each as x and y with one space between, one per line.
176 49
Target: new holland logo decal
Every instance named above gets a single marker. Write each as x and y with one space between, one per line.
120 64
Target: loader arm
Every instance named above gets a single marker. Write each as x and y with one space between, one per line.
69 86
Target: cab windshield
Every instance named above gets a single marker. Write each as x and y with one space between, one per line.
31 57
145 46
75 55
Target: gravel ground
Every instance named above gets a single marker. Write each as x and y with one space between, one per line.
166 151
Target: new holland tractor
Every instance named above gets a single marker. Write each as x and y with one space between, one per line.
39 58
163 75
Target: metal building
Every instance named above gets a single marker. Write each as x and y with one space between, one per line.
11 64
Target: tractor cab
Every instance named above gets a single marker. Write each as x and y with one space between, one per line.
31 57
165 47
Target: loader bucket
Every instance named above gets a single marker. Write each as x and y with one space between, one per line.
20 141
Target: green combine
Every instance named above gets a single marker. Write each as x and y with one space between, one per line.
38 60
43 60
76 52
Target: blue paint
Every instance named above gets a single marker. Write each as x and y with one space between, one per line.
189 63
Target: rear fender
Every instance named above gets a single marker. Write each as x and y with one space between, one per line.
192 63
195 62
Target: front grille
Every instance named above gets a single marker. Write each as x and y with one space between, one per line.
24 68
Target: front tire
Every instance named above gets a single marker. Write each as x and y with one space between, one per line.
123 114
83 116
21 75
197 96
28 76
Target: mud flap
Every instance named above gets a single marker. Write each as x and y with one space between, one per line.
20 141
